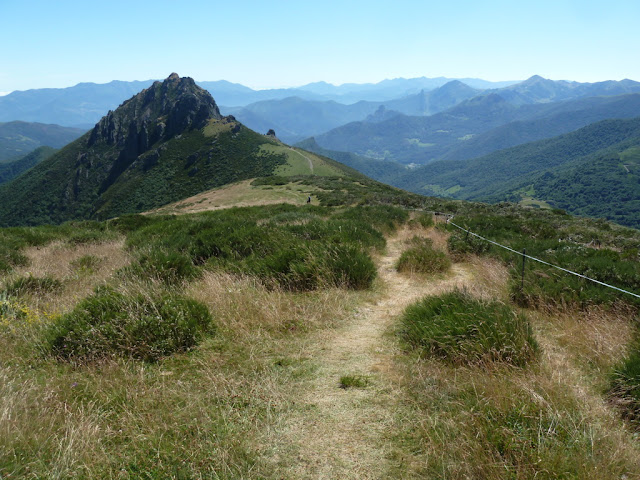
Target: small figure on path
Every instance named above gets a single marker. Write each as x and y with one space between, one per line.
309 199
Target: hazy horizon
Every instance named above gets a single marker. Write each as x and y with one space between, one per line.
285 43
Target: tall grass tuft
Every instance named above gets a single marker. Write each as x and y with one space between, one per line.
146 327
421 257
625 385
464 330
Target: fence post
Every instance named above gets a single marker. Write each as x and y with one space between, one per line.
524 253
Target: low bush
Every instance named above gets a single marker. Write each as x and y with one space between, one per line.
295 248
421 257
424 220
146 327
460 245
86 263
171 268
464 330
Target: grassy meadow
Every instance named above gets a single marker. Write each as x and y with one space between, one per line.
356 337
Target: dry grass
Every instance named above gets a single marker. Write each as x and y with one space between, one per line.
240 194
64 262
512 423
191 415
247 308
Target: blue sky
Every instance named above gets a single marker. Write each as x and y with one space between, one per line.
265 44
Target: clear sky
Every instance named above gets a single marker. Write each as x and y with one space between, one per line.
272 43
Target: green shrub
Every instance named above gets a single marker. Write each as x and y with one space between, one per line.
424 220
296 248
460 245
131 222
421 257
32 286
84 237
350 267
109 323
462 329
170 268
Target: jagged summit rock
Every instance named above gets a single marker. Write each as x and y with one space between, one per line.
157 113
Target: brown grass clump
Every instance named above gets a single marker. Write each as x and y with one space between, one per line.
80 268
247 308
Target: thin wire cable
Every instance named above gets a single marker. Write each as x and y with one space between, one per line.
541 261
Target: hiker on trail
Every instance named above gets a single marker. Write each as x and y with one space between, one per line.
309 199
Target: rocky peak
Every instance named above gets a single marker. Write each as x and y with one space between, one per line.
157 113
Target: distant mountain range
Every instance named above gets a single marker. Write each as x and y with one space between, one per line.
84 104
295 118
474 127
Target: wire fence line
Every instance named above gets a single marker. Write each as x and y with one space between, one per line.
524 255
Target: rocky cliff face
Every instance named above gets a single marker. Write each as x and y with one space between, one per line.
156 114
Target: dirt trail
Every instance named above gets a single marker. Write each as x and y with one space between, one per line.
304 156
338 433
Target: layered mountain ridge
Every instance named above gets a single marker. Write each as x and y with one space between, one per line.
165 143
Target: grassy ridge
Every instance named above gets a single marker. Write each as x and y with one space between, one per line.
299 249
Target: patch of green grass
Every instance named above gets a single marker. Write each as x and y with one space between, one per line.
86 263
421 257
463 330
354 381
32 286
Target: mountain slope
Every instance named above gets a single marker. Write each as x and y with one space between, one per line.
19 138
166 143
474 127
10 170
589 171
546 121
604 185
